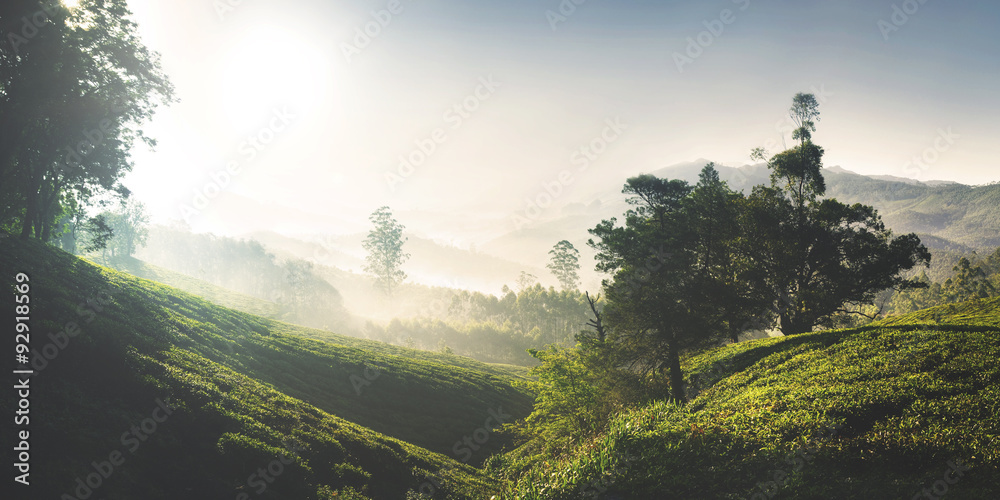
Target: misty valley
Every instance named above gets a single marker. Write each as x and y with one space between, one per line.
413 251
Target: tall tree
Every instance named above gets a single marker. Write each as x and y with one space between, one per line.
384 245
731 280
667 268
565 264
820 255
75 87
804 110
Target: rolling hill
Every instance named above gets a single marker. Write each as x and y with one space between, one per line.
904 406
145 391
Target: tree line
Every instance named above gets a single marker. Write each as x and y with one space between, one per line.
493 329
973 277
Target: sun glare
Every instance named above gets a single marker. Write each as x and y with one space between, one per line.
268 69
71 4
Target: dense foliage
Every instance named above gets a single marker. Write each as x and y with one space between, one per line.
878 412
693 265
75 87
972 277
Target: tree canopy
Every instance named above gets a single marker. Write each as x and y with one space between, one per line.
75 86
668 263
695 265
384 245
565 264
820 256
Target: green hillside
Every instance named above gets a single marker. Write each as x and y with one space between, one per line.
879 412
245 391
955 212
883 411
258 307
213 293
980 315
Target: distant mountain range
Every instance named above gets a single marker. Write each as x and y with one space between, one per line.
948 216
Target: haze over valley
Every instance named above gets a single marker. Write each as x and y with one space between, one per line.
503 250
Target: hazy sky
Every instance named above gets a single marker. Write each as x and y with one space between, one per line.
501 94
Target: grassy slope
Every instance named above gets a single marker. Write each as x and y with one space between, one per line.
258 307
212 293
983 314
242 384
871 413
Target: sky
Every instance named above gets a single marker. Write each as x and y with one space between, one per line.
306 116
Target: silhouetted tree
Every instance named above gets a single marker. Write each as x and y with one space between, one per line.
384 245
664 295
565 264
819 255
73 95
805 109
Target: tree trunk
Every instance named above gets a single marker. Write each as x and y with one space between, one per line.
793 326
30 212
784 323
48 203
676 375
